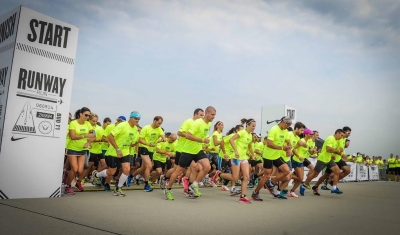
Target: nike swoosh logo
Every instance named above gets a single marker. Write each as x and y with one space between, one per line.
15 139
268 122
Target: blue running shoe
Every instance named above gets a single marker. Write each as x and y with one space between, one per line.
337 191
302 190
147 188
129 181
324 187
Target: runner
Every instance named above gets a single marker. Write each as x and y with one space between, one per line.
149 137
80 139
165 150
192 151
300 151
117 155
95 151
278 144
213 155
326 159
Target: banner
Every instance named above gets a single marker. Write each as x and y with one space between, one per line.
269 114
373 172
353 172
38 101
362 172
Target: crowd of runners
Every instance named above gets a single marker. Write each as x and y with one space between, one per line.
125 153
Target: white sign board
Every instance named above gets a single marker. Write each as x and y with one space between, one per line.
38 101
269 114
362 172
353 172
373 172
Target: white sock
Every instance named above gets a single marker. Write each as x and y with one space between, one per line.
137 177
122 180
333 187
195 183
103 173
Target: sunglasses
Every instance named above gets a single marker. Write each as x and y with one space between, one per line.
87 115
136 119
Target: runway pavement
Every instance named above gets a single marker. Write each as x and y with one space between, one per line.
364 208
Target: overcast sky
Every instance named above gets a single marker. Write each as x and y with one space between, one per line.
336 62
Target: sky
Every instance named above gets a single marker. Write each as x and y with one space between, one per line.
337 62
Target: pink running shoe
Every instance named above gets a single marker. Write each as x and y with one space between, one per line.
244 200
215 177
185 182
292 194
78 185
69 190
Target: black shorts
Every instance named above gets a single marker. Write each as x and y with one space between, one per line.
158 164
95 158
187 158
177 157
340 164
169 163
268 164
397 172
145 151
114 162
254 163
225 164
306 162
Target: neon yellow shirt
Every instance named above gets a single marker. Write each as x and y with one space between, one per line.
198 129
123 134
96 146
392 162
106 132
359 159
340 144
302 152
397 163
369 161
278 137
311 145
242 144
293 141
219 138
77 145
150 135
133 149
183 128
228 147
349 158
260 147
164 146
324 156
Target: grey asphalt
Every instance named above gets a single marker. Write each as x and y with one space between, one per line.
364 208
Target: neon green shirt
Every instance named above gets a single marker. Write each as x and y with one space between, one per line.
77 145
392 162
106 132
96 146
228 147
324 156
123 134
164 146
260 147
359 159
183 128
198 129
242 144
397 163
278 137
219 138
311 145
150 135
293 141
301 151
340 144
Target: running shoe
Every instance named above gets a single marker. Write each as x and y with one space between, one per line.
212 183
118 192
269 186
293 194
337 191
224 188
69 191
324 187
195 189
280 196
107 188
215 177
315 191
129 180
235 192
148 188
78 185
163 182
256 196
250 185
244 200
185 191
168 194
307 186
285 192
201 184
302 189
93 178
185 182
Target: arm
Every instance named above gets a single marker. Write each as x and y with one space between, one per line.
270 144
143 141
232 142
114 144
251 151
295 151
191 137
216 142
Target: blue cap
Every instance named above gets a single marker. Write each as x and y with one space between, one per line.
122 117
